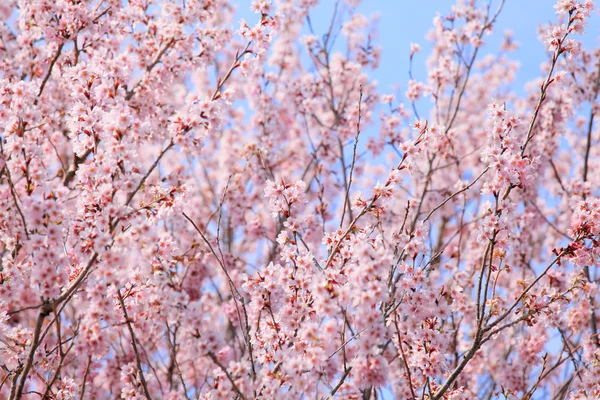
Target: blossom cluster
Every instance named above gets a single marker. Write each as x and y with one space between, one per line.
197 207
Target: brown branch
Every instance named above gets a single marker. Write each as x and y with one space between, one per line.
47 392
590 126
586 269
80 278
350 227
479 340
85 375
220 84
49 72
557 176
133 343
456 194
15 197
13 383
362 212
220 364
544 87
100 15
234 65
24 309
237 297
44 312
174 363
529 287
408 374
470 66
346 342
349 183
548 221
149 68
74 166
339 384
152 167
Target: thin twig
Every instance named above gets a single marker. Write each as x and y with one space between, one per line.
339 384
85 375
152 167
49 72
408 374
590 126
15 197
133 343
347 196
237 297
233 384
456 194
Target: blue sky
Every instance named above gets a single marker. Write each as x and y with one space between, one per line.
405 21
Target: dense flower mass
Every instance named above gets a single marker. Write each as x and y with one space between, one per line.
194 207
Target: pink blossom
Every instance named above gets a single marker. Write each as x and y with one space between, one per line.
196 206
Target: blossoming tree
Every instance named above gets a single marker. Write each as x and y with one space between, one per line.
196 208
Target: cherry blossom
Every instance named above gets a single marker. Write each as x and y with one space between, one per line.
198 207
